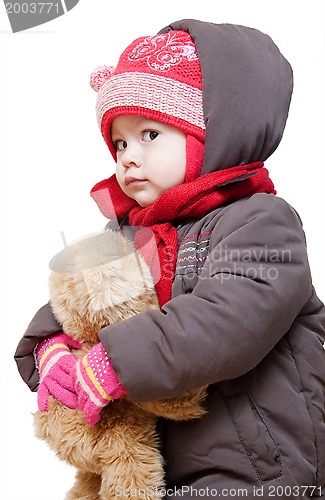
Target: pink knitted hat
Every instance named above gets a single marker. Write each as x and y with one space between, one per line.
158 77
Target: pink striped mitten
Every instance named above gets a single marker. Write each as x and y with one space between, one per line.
55 364
96 383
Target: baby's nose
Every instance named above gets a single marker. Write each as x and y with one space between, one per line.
132 156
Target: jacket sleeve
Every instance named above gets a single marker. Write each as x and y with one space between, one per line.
42 325
253 284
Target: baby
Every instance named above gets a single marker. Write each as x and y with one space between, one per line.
190 115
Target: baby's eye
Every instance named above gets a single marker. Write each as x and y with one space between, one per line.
150 135
120 145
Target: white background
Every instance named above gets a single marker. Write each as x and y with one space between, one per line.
52 154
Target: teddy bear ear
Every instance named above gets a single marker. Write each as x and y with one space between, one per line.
100 75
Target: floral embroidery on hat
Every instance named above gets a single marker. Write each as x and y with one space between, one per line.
164 51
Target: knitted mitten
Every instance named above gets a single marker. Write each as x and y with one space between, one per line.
96 383
55 364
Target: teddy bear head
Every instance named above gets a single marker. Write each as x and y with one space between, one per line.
98 281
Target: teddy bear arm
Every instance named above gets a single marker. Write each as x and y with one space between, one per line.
188 406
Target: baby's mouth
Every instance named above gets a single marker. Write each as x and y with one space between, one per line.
133 180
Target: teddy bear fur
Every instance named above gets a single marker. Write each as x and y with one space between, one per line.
96 282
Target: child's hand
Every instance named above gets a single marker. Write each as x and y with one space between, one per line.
55 365
95 383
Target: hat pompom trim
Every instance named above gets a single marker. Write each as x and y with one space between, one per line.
99 76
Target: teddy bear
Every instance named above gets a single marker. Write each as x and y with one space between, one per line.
95 282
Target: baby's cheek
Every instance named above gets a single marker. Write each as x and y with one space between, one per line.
119 177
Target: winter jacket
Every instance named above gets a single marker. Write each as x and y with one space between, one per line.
244 317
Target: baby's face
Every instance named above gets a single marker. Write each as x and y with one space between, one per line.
151 157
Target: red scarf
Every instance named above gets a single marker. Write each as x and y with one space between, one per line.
190 200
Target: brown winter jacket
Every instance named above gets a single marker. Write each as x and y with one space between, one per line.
244 317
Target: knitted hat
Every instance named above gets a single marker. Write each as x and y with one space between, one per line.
158 77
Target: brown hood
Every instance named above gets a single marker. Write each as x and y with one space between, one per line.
247 87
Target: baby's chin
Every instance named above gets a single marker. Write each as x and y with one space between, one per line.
143 197
143 202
